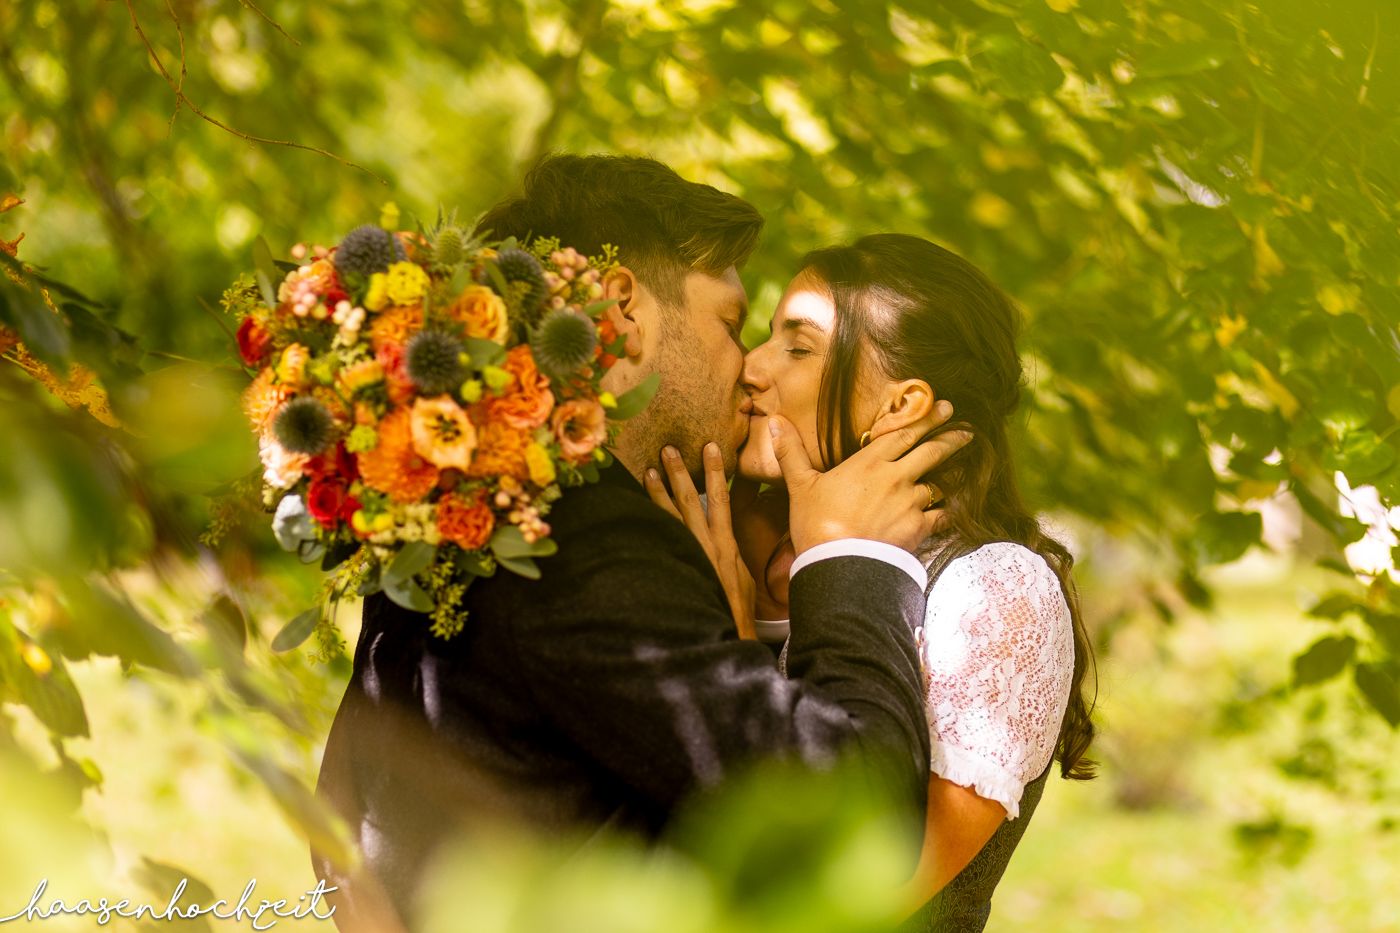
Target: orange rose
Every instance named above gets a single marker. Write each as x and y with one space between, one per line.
467 523
580 426
482 312
528 402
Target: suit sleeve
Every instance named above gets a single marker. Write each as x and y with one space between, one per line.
635 660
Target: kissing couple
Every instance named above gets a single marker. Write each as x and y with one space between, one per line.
913 613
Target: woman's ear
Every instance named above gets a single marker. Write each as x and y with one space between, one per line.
621 286
902 404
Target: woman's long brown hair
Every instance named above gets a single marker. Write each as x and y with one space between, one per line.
918 311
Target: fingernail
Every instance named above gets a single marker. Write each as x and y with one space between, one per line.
773 428
712 450
652 475
669 452
945 407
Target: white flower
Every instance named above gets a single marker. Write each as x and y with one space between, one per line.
282 468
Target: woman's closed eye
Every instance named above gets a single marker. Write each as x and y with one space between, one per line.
798 352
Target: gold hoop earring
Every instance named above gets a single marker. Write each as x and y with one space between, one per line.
865 439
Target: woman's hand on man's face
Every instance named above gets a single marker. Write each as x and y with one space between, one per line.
877 493
712 527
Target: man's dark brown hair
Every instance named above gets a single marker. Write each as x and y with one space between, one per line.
662 225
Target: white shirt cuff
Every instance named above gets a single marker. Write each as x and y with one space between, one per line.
860 547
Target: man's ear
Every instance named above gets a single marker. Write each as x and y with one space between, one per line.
902 403
621 286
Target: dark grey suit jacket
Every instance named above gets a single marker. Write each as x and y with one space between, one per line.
609 691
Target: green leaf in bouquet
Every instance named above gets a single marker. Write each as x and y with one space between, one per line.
265 271
474 563
413 558
297 631
484 352
636 399
523 566
371 583
508 543
338 553
1327 658
598 307
408 594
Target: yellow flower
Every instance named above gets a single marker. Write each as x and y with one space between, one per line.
482 312
378 295
366 526
442 433
292 366
540 463
360 375
607 400
406 283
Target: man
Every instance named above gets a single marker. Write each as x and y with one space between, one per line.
613 687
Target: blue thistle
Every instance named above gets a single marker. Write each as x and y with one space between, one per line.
525 280
433 360
366 250
564 343
304 426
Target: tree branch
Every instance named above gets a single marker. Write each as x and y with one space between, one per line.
181 98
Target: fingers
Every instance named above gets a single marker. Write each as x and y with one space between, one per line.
683 492
717 493
896 443
928 455
657 490
792 456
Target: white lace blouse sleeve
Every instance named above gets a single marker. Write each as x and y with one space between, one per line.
998 653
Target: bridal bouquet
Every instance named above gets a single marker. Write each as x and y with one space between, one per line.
419 401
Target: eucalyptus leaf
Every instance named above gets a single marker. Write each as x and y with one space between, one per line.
412 559
636 399
408 594
298 630
523 566
265 271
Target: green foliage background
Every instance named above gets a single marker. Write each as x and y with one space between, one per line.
1195 202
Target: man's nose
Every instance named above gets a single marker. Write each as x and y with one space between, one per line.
753 377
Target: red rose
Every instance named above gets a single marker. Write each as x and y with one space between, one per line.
338 466
254 342
349 507
325 500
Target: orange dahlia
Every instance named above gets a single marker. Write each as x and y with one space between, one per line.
393 466
500 451
263 397
395 325
465 521
528 402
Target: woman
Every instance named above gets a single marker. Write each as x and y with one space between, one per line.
866 340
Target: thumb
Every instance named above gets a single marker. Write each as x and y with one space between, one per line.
792 456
